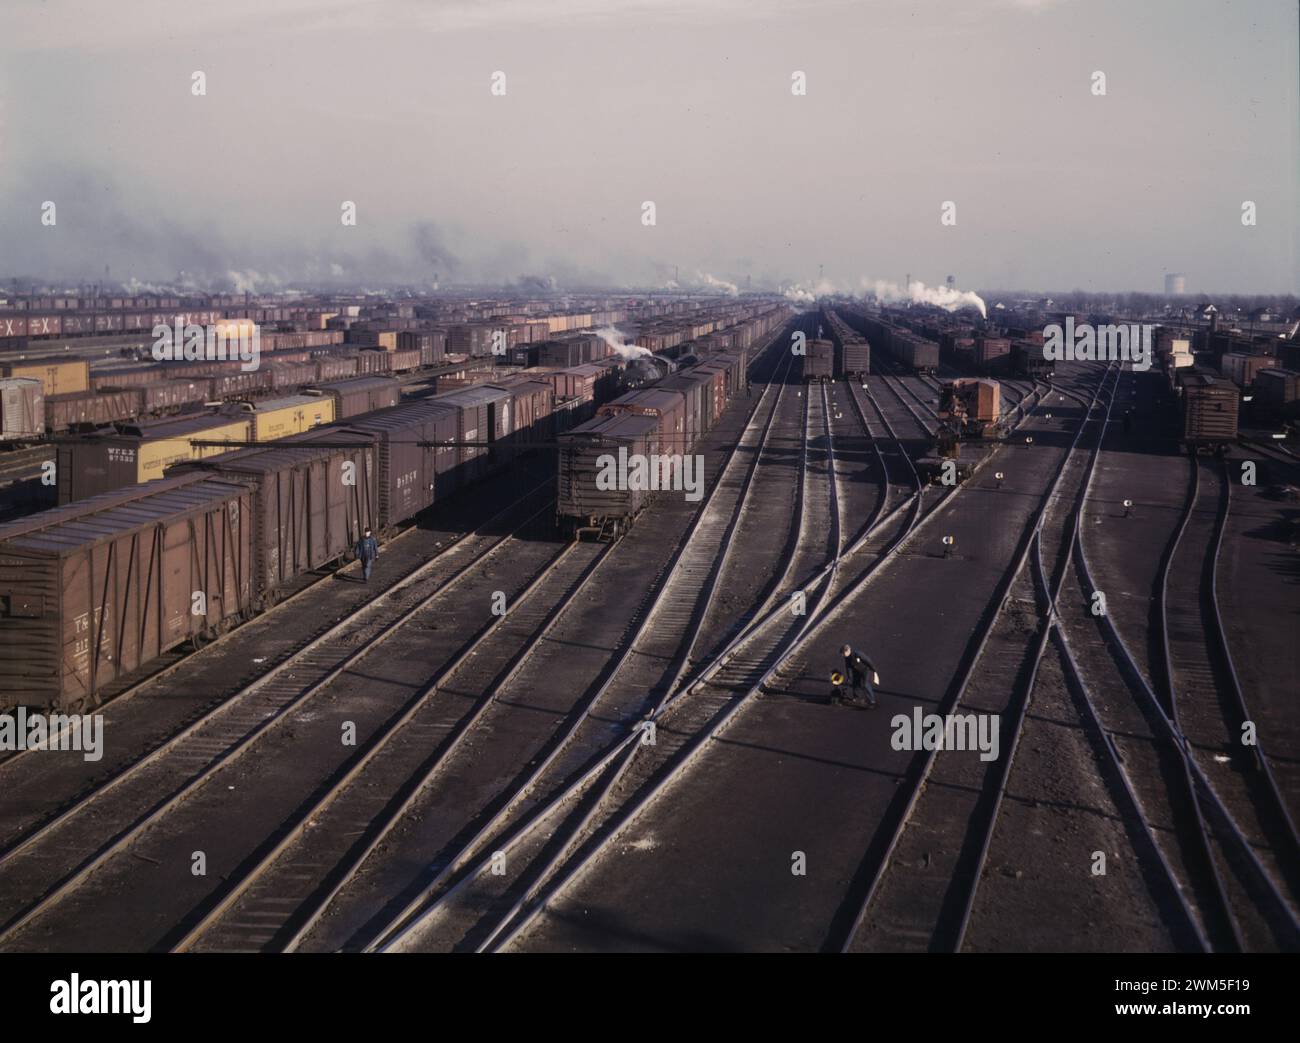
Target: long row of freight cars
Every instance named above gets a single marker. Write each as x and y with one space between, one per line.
96 589
55 396
90 464
852 357
907 349
648 433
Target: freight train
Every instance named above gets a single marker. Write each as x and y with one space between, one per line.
612 467
852 351
135 452
1210 409
95 590
73 397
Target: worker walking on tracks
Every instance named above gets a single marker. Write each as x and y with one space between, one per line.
861 673
367 551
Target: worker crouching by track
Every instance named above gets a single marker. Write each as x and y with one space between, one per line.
860 674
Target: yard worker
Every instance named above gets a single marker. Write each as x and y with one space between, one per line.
862 674
367 551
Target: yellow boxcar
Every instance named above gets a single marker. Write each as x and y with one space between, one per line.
57 376
167 444
290 416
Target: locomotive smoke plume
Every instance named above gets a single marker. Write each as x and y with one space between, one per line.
807 294
611 336
918 293
715 283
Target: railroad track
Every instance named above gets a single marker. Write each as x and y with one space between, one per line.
506 932
1218 872
241 918
106 821
958 793
173 661
1203 697
621 729
260 905
681 724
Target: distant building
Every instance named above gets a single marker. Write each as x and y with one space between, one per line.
1175 284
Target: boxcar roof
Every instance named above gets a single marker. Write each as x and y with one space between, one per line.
173 497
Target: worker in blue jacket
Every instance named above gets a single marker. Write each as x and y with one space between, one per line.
367 550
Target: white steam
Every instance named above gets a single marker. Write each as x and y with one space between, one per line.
611 336
729 288
918 293
807 293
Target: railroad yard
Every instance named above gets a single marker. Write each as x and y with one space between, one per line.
568 714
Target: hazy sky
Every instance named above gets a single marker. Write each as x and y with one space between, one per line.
609 103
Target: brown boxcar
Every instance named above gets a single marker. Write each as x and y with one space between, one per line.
1278 389
486 415
239 385
431 344
412 477
697 390
1209 412
857 356
289 375
587 502
120 377
668 406
330 368
92 591
87 410
171 396
534 402
44 325
360 395
819 363
719 378
403 361
370 362
305 514
13 325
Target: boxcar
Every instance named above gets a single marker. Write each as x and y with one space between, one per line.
485 415
1209 412
57 376
89 465
359 395
172 396
22 409
856 356
720 377
669 406
305 515
697 389
411 477
334 367
281 417
93 591
819 362
87 410
533 404
587 505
